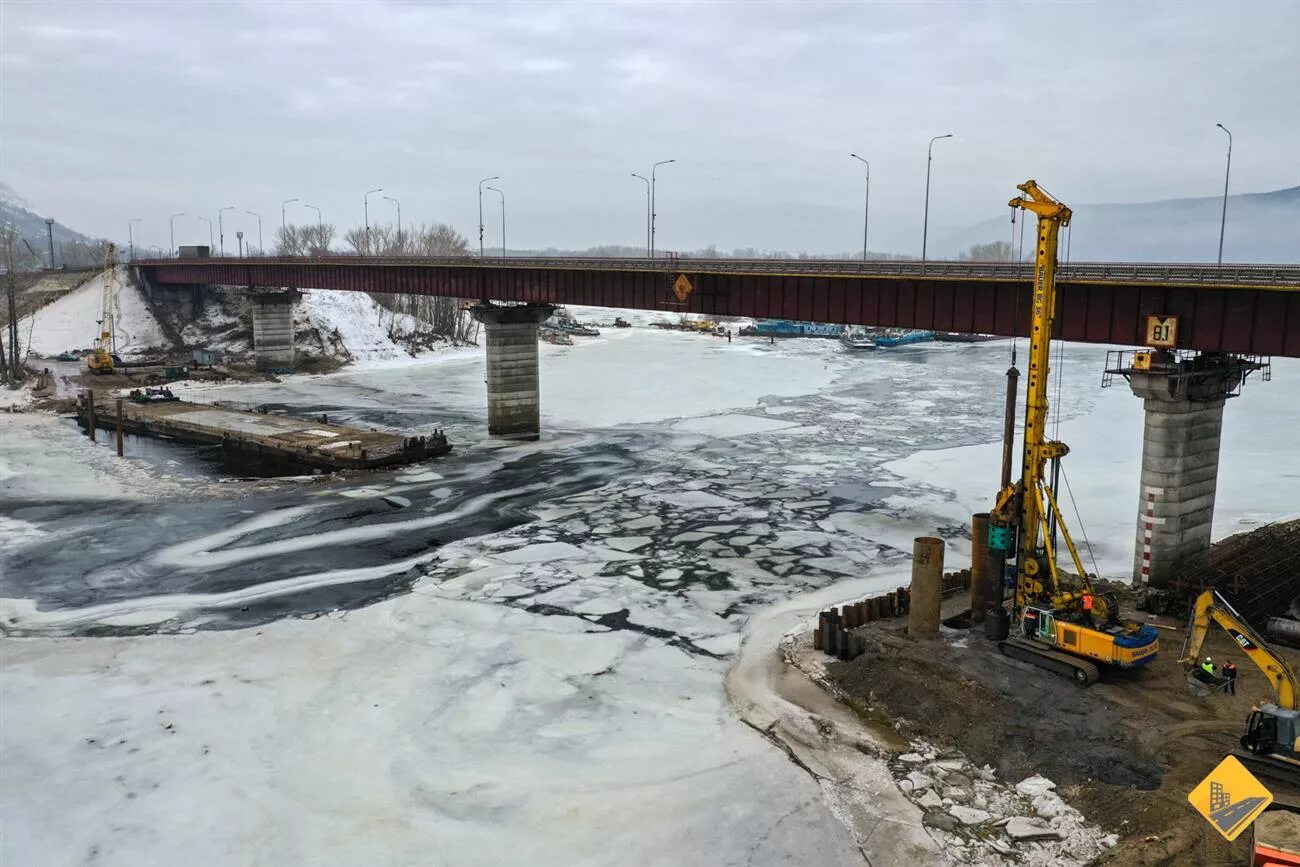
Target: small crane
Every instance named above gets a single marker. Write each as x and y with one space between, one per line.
1060 623
103 355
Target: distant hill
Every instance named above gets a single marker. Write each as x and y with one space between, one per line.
70 247
1261 227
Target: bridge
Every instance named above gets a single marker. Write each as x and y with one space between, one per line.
1247 309
1227 316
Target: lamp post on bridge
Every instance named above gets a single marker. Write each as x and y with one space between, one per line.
240 236
503 220
366 201
480 211
647 212
261 251
866 207
400 246
221 229
653 202
130 234
1223 218
925 226
171 224
284 232
209 222
320 229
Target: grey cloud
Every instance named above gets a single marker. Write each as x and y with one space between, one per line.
140 110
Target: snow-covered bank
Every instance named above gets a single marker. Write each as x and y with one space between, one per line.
70 323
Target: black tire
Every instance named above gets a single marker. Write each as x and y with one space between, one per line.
1081 678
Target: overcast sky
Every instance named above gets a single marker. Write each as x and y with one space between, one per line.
112 111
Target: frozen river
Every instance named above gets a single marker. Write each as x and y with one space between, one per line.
516 653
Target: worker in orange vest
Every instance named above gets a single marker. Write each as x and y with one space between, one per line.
1230 672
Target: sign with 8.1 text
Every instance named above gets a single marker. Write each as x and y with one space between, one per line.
1162 331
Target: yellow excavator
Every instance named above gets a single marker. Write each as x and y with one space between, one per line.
1271 742
1058 621
103 358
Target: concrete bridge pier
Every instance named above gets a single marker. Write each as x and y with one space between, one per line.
273 327
513 386
1184 400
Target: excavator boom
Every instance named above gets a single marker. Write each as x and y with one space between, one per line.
1210 606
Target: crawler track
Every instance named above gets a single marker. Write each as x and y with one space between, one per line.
1081 672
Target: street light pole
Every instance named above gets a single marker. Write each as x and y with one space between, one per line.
130 234
399 222
925 226
366 198
480 212
653 202
320 230
171 224
261 251
866 207
283 230
209 222
221 229
647 212
1223 218
503 220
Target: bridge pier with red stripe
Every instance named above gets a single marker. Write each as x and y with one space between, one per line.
1183 402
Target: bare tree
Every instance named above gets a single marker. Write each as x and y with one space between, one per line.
312 239
993 251
13 370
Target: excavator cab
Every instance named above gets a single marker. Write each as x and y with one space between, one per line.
1271 731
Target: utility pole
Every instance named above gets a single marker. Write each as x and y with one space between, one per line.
209 222
400 246
49 234
503 220
284 232
653 203
1223 218
171 225
240 236
130 234
221 230
866 207
320 227
647 212
925 226
480 211
261 251
366 202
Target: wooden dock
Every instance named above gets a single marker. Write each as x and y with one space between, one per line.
313 443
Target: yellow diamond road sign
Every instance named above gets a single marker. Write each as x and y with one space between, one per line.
1230 798
682 287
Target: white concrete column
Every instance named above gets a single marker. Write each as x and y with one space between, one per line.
513 384
273 328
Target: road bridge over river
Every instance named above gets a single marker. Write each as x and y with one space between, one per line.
1225 319
1249 309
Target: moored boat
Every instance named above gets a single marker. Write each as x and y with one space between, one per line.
857 339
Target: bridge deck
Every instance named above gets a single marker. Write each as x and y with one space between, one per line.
1252 309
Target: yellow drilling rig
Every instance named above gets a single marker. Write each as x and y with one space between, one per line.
103 355
1058 621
